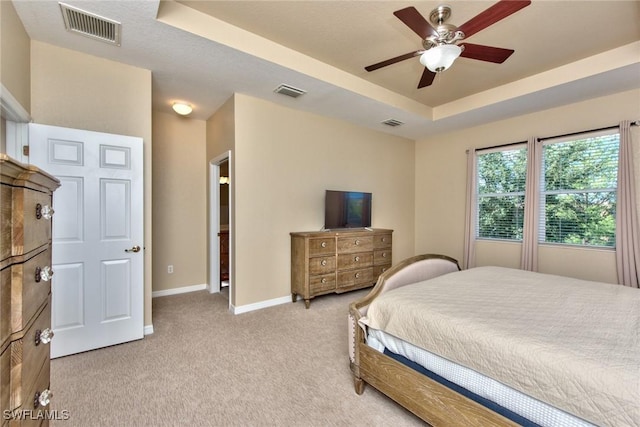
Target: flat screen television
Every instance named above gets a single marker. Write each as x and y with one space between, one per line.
347 209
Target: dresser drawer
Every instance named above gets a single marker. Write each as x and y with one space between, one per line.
224 242
27 358
5 223
379 269
325 245
355 260
31 228
5 390
381 256
355 244
5 304
29 289
34 413
322 284
363 276
322 265
382 241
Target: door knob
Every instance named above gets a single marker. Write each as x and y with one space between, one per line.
133 249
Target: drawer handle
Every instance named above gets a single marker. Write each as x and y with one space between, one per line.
357 242
384 254
43 337
45 211
356 259
384 239
323 244
324 262
324 280
45 273
357 275
42 398
384 269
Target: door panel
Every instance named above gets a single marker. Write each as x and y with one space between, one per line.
98 286
69 220
116 287
115 209
71 314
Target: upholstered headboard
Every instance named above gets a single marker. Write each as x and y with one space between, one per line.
411 270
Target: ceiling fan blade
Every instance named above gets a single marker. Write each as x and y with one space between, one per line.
393 60
414 20
427 78
490 16
485 53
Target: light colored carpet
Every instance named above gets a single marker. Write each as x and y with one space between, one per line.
280 366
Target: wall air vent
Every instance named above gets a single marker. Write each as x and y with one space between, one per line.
392 122
90 25
289 91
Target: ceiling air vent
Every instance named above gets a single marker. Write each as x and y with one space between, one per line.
289 91
90 25
392 122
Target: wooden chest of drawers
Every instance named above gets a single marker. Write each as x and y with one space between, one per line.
337 261
25 291
224 253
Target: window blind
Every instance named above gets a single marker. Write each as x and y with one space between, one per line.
501 175
578 189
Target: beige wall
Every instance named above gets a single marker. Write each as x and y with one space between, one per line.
72 89
3 136
15 62
441 180
14 55
284 161
179 201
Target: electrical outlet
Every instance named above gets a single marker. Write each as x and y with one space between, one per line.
170 269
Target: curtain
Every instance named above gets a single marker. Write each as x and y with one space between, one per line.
469 256
529 256
627 242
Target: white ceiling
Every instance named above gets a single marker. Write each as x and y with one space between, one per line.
204 51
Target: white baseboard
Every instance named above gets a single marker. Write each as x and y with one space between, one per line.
259 305
181 290
233 309
148 329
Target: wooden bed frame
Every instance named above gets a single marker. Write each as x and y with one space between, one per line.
433 402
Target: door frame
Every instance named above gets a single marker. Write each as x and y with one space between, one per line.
16 119
214 223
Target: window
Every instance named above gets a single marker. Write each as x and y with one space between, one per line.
578 189
579 180
500 193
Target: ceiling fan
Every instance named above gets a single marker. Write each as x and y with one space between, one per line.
439 38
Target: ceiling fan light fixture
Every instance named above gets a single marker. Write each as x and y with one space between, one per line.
441 57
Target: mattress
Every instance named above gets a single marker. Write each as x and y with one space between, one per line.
538 412
570 343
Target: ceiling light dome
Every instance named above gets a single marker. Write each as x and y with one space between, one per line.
182 108
441 57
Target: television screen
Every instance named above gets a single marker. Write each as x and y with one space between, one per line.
347 209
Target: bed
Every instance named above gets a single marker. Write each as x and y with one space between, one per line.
497 346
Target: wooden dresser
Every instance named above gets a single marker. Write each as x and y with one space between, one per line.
337 261
25 292
224 253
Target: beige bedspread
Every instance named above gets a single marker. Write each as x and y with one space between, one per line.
574 344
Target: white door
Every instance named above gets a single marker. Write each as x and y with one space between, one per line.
98 231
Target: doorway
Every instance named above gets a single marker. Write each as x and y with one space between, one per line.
220 226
